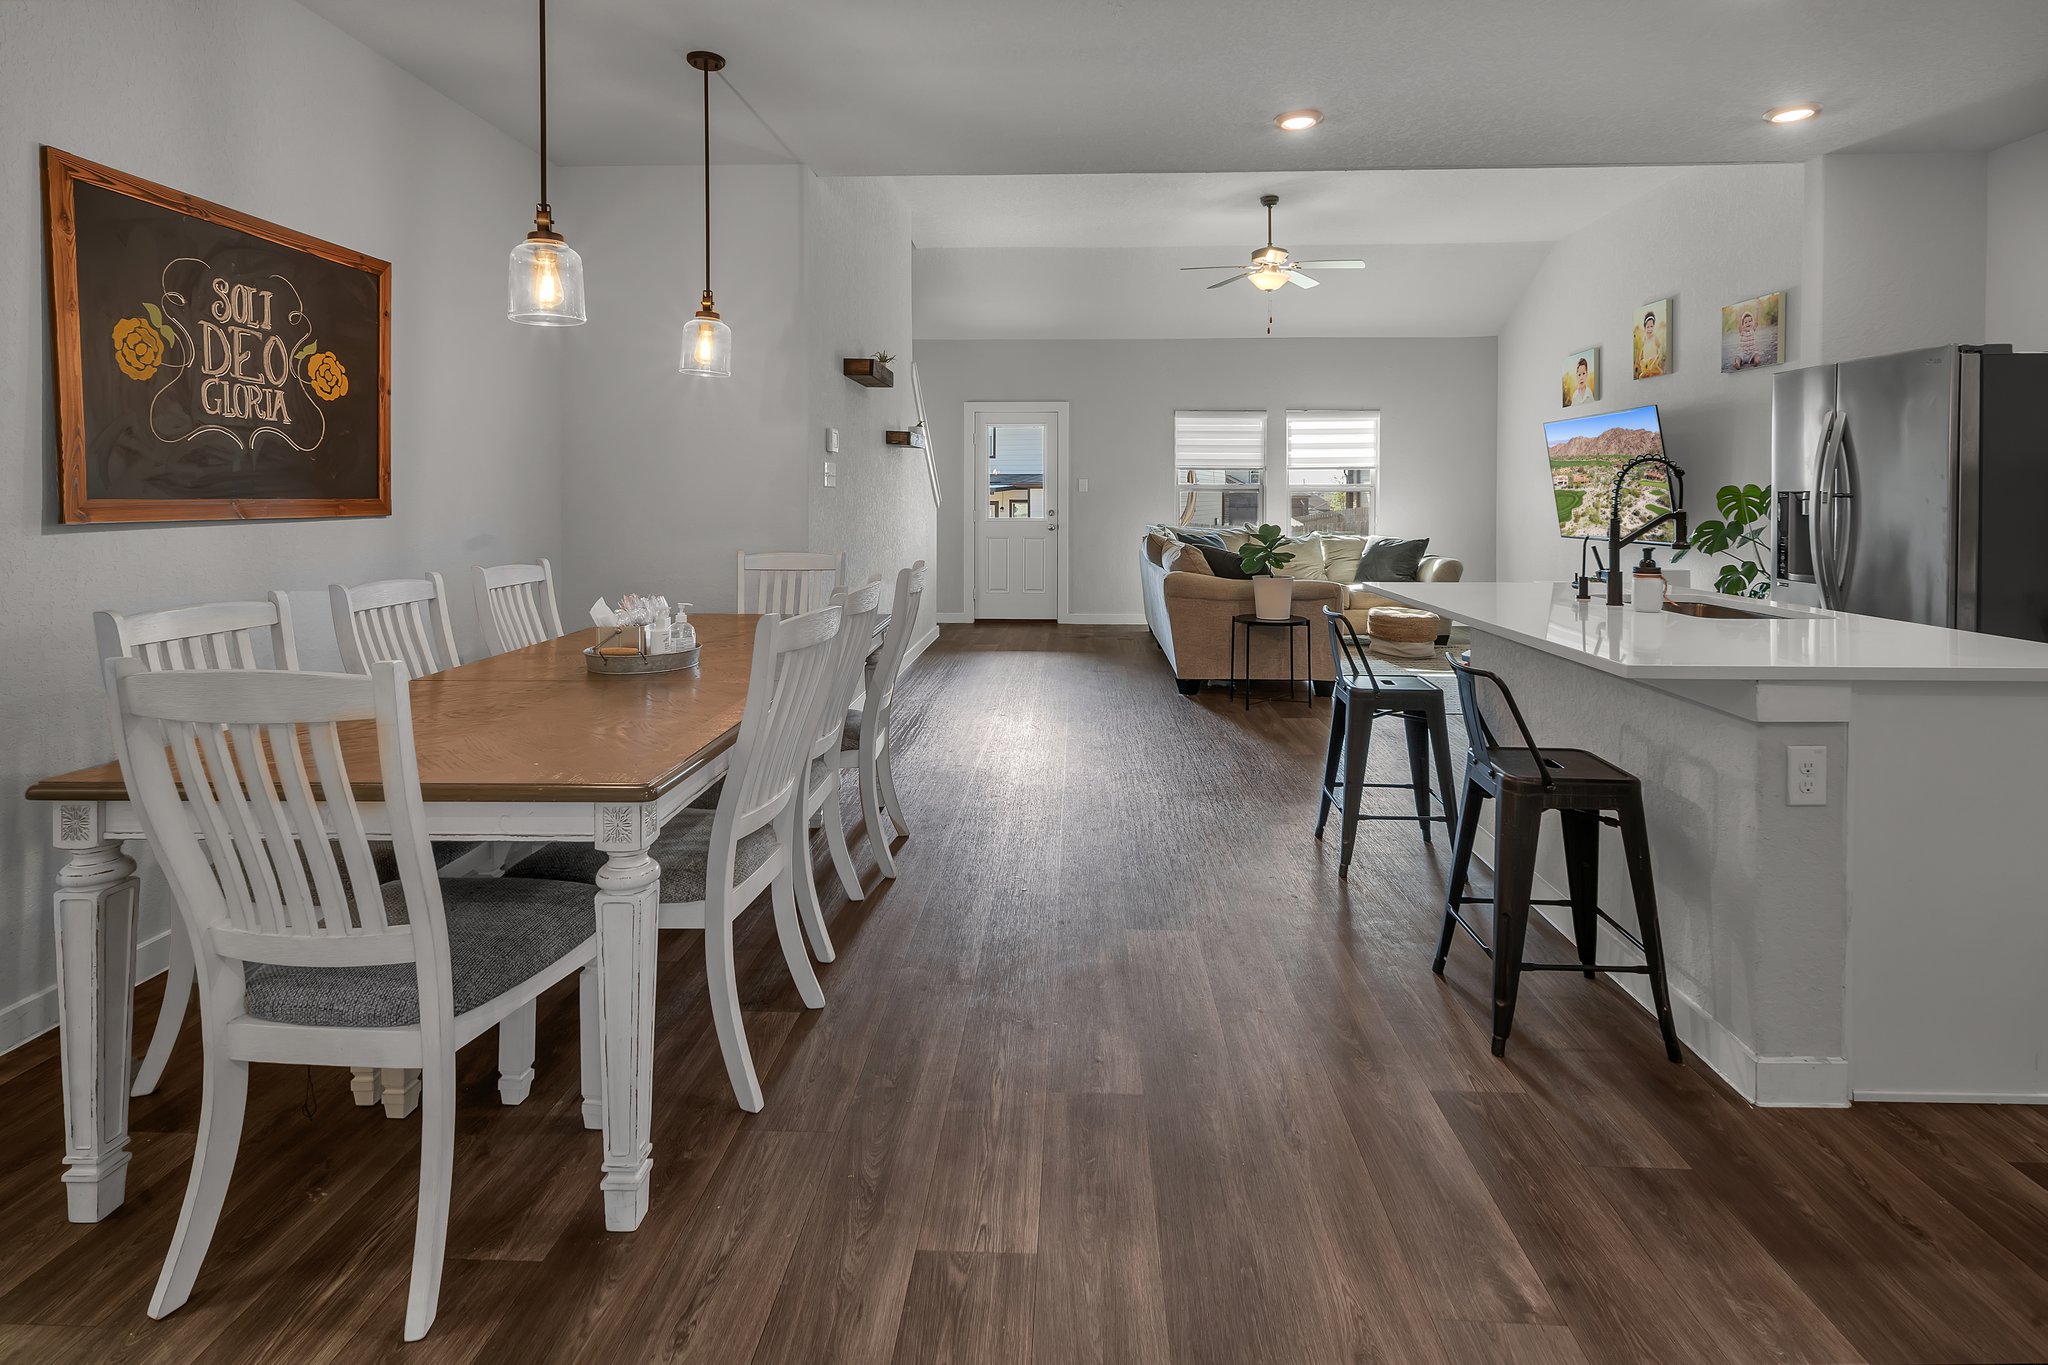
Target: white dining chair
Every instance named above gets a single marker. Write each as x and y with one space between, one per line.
302 958
211 635
788 582
865 743
404 620
714 864
820 795
516 604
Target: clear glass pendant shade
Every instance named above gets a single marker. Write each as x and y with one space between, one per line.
707 347
546 284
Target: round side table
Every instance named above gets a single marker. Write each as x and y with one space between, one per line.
1247 623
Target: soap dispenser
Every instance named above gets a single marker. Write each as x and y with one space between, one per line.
1648 583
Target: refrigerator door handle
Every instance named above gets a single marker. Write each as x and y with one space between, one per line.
1819 511
1841 508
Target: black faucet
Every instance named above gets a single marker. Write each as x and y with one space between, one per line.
1616 540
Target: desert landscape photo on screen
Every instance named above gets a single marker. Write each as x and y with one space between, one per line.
1585 455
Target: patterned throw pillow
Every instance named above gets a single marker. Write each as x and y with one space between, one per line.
1188 559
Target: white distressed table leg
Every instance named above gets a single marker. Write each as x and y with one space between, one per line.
362 1083
95 905
628 908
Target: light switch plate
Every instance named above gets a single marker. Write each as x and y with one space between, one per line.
1806 774
1084 485
831 474
831 440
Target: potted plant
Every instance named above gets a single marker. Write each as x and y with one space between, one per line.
1261 557
1745 515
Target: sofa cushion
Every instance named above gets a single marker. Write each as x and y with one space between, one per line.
1158 545
1222 557
1391 560
1308 563
1341 555
1187 559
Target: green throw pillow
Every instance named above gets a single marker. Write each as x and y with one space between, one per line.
1391 560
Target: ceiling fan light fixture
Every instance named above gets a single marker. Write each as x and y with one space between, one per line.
1792 113
1267 278
1298 120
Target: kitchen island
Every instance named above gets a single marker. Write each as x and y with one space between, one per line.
1889 944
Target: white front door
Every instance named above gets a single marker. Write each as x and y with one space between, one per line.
1016 550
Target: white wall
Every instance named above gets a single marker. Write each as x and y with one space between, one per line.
1895 252
857 289
268 109
1436 398
1713 236
664 475
2016 254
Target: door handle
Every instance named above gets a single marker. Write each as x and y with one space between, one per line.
1816 520
1843 505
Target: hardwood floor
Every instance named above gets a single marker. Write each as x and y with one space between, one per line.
1117 1071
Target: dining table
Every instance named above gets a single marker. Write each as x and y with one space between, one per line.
527 746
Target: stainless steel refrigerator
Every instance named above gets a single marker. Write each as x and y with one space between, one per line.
1915 487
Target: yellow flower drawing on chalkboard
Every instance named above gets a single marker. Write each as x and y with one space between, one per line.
138 347
326 375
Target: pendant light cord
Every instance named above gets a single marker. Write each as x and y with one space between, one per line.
707 179
544 107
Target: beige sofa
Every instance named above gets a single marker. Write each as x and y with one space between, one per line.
1190 612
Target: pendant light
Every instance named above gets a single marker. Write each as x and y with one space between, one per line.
707 342
547 276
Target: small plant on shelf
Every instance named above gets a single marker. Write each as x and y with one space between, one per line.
1262 557
1739 533
883 357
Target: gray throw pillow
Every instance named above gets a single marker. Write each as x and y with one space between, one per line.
1223 561
1388 560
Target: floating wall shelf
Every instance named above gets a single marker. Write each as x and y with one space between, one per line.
904 438
868 372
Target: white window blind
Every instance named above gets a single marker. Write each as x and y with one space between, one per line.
1219 461
1333 460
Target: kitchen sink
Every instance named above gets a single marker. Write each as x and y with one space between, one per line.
1716 611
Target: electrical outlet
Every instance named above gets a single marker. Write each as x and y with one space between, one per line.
831 440
1806 774
1084 485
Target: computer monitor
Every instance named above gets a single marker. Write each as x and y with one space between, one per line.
1585 455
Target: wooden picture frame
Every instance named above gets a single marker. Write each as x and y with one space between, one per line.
236 385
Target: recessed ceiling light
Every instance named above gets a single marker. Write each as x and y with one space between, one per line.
1299 121
1792 113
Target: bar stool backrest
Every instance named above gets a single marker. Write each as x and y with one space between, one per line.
1348 650
1477 732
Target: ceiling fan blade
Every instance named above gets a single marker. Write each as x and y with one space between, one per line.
1334 265
1212 267
1296 277
1230 279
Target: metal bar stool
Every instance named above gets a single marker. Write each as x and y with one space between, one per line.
1581 787
1361 696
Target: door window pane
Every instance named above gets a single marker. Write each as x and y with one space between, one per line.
1016 469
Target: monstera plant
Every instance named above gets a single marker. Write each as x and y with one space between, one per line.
1738 533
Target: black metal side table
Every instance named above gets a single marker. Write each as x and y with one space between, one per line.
1248 623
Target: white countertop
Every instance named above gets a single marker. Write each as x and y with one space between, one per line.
1806 645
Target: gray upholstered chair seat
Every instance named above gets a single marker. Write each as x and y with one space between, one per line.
500 933
683 850
849 733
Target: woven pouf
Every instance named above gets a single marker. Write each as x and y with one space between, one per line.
1403 632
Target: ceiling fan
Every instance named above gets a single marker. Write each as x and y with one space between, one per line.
1270 267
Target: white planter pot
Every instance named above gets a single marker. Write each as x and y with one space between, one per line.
1273 597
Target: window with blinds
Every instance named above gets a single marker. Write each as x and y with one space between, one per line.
1219 462
1333 471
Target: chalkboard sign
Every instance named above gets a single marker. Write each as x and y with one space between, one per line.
210 366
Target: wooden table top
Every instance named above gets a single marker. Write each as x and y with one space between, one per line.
534 725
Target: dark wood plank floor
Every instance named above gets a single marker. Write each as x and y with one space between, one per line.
1116 1071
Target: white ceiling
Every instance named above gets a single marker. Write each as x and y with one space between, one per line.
1358 208
980 87
1124 293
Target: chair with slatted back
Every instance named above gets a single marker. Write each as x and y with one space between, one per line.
303 959
788 582
866 742
404 620
714 864
820 796
516 604
212 635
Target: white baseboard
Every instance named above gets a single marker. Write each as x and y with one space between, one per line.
26 1020
954 618
1103 618
1767 1082
919 646
1946 1097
